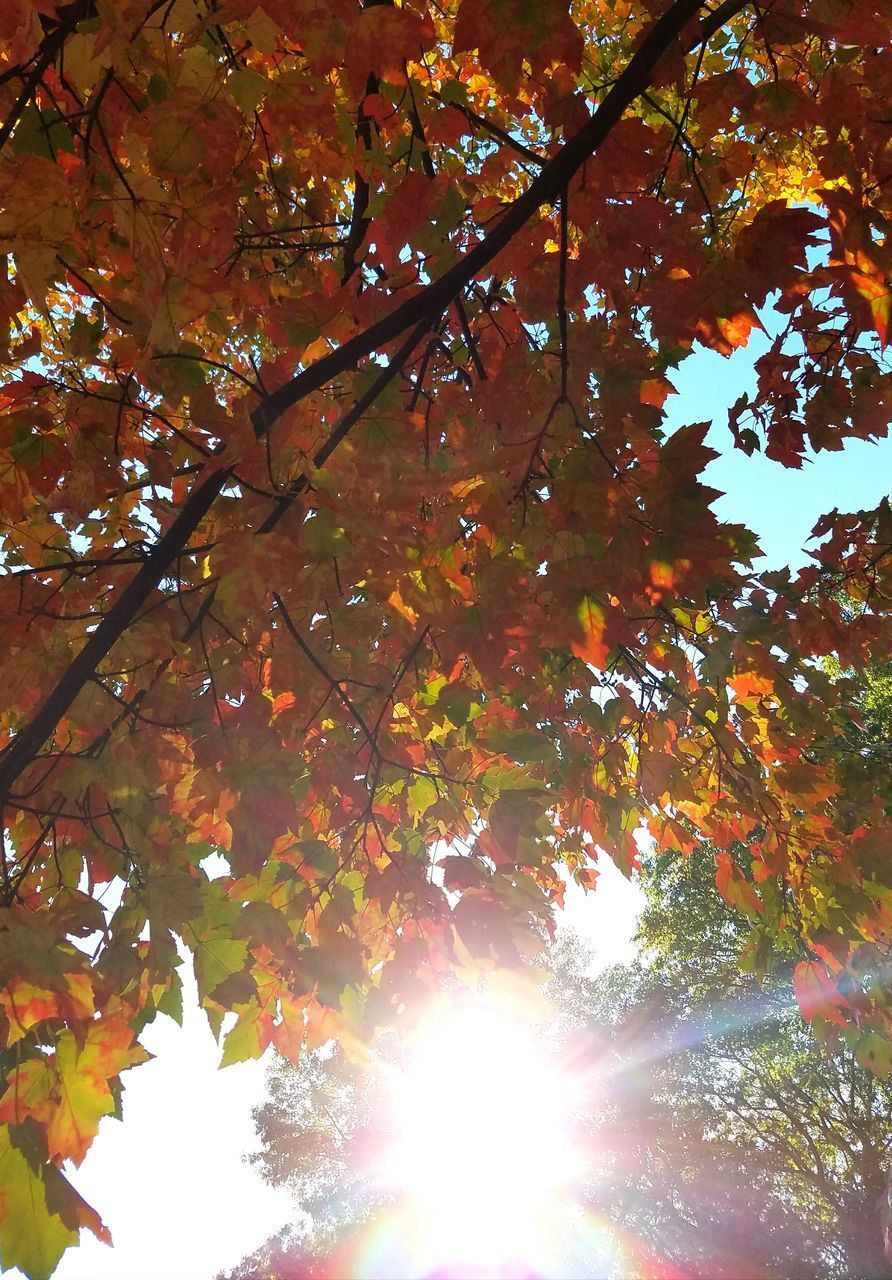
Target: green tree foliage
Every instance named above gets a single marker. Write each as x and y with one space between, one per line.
319 1128
734 1143
723 1136
743 1146
861 753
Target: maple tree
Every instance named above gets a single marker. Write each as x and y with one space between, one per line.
340 534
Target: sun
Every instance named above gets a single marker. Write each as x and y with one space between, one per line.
484 1150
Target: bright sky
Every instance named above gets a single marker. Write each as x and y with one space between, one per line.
780 505
171 1181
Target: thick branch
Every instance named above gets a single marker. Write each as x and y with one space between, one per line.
346 424
418 312
545 188
26 744
69 15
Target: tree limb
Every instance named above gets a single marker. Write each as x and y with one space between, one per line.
545 188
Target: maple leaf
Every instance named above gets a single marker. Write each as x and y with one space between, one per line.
31 1236
735 888
749 684
876 290
591 618
506 32
816 993
336 352
69 1092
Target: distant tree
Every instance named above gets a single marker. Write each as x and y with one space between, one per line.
316 1128
725 1138
731 1140
283 1257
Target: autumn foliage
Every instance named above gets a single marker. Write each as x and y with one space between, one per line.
340 535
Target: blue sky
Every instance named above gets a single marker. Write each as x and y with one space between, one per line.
171 1181
779 504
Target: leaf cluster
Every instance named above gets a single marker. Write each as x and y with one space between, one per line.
352 588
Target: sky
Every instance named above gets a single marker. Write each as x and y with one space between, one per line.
781 505
171 1182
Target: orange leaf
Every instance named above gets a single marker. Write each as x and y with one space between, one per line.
655 391
68 1091
876 291
734 887
591 618
750 685
816 993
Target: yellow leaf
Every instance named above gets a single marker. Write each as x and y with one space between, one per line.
591 618
655 391
262 31
81 64
400 605
750 685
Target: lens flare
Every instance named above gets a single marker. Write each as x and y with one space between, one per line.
484 1152
495 1148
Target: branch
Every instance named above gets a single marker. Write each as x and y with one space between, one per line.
715 20
69 16
495 130
346 424
545 188
420 311
334 685
19 753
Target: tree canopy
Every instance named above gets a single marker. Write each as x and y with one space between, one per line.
351 586
731 1141
719 1136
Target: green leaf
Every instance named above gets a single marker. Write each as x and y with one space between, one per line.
526 746
31 1237
453 91
86 334
319 855
874 1053
248 89
421 795
324 538
243 1041
65 1201
459 704
171 1002
158 87
216 959
42 133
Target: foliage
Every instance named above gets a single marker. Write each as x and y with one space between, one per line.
317 1126
722 1137
733 1143
862 752
339 524
755 1151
